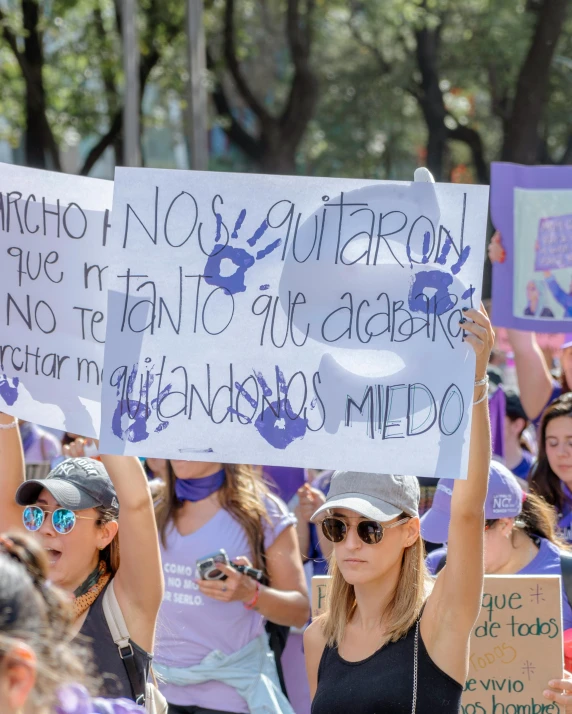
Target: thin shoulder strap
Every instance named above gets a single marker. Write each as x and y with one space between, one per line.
415 665
120 635
114 617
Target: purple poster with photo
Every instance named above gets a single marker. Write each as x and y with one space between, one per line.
531 207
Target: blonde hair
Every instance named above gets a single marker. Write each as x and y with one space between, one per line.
242 495
402 612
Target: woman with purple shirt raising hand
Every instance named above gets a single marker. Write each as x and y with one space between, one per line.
212 650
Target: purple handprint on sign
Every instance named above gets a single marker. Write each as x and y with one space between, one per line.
9 389
239 257
278 423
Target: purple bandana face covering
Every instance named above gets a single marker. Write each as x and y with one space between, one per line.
197 489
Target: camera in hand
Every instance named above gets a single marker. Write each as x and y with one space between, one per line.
209 569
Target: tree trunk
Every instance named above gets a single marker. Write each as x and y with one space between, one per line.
436 145
522 141
473 140
274 146
278 157
35 139
430 98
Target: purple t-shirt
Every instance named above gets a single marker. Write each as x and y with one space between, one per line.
546 562
191 625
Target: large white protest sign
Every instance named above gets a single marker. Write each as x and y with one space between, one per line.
53 231
292 321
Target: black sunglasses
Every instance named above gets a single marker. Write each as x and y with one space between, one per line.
370 532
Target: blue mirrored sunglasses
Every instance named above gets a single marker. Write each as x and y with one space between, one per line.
63 520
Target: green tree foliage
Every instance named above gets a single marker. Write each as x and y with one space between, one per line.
323 87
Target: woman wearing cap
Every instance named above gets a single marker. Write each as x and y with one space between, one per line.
537 386
388 643
551 477
74 513
520 536
520 531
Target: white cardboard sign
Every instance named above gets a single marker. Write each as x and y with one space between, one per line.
292 321
53 299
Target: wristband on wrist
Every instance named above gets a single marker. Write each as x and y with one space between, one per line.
11 425
251 604
482 399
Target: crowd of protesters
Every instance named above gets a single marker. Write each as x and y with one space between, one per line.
209 564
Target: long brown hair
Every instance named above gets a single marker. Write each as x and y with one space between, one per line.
242 495
538 518
403 610
544 481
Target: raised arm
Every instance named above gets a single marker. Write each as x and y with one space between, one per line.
453 606
138 583
139 580
534 379
12 472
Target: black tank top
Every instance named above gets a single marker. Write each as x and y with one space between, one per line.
383 683
108 664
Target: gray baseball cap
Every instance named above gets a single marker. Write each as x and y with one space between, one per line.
76 484
380 497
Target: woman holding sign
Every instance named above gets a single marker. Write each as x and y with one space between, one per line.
388 642
74 513
520 532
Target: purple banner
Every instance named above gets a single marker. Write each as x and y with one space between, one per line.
531 207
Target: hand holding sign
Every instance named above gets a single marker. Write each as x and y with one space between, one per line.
560 691
481 338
